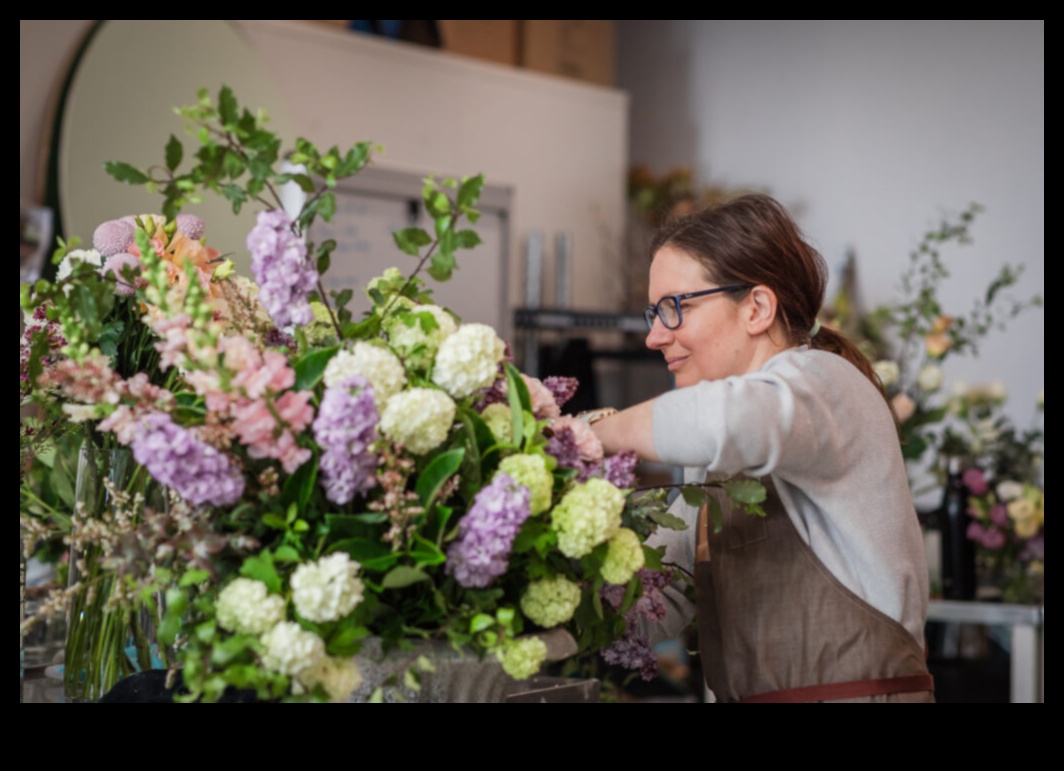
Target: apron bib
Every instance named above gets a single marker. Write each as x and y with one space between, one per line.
775 626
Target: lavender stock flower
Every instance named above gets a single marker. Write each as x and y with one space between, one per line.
176 458
346 429
285 275
486 535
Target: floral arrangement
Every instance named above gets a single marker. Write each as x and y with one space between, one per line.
1007 495
325 479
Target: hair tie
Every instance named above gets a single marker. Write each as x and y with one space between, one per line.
815 330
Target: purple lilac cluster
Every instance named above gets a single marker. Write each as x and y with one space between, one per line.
618 470
346 428
174 457
633 651
486 535
285 276
562 388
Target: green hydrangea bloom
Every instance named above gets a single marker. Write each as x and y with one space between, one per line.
532 472
588 516
320 331
500 422
408 337
523 658
550 603
624 558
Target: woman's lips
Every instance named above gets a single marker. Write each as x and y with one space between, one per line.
675 364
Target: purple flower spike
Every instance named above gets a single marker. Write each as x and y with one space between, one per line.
191 225
486 534
346 429
113 238
282 270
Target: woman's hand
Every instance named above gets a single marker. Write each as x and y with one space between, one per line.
631 430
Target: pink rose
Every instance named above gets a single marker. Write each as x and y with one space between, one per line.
904 407
999 515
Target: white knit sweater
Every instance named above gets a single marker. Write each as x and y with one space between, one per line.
822 431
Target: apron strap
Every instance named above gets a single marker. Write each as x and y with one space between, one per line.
859 689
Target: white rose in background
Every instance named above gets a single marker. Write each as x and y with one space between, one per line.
469 360
888 372
246 607
1009 491
930 378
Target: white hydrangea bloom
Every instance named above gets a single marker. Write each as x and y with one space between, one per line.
290 650
247 607
416 346
888 372
1008 492
930 378
339 677
66 267
500 422
379 366
420 419
588 515
624 559
328 590
468 360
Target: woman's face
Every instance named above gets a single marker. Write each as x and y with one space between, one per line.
712 343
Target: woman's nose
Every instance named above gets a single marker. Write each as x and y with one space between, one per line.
660 336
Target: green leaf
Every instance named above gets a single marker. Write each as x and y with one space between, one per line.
347 642
123 172
372 555
746 491
286 555
443 266
436 475
311 368
469 193
668 521
467 239
481 623
520 401
175 153
262 569
715 513
193 578
403 577
412 240
228 108
695 497
275 522
346 526
299 489
327 207
426 554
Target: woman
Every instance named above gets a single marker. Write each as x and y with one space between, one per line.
825 599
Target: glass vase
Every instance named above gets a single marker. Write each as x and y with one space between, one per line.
106 641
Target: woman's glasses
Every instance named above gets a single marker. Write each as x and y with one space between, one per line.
669 309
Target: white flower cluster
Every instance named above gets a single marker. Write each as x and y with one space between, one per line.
468 360
420 419
416 346
66 267
551 602
588 515
379 366
328 590
247 607
338 677
624 559
291 651
522 659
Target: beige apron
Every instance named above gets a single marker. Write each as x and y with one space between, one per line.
775 626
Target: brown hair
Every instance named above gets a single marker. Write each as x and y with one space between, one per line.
753 241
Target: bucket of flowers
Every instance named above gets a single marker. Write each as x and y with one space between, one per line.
349 505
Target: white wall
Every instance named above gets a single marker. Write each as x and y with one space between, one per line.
869 130
561 145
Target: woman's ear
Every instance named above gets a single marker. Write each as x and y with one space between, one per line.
761 306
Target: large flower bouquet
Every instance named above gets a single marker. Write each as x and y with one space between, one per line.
327 478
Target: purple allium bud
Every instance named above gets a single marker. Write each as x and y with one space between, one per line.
191 225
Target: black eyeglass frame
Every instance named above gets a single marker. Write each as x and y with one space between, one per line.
653 312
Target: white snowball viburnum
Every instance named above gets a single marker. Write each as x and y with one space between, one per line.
408 336
339 678
420 419
328 590
624 559
500 422
930 378
379 366
551 603
531 471
246 607
522 659
468 361
290 650
588 516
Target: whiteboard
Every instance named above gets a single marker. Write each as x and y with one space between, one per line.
372 206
